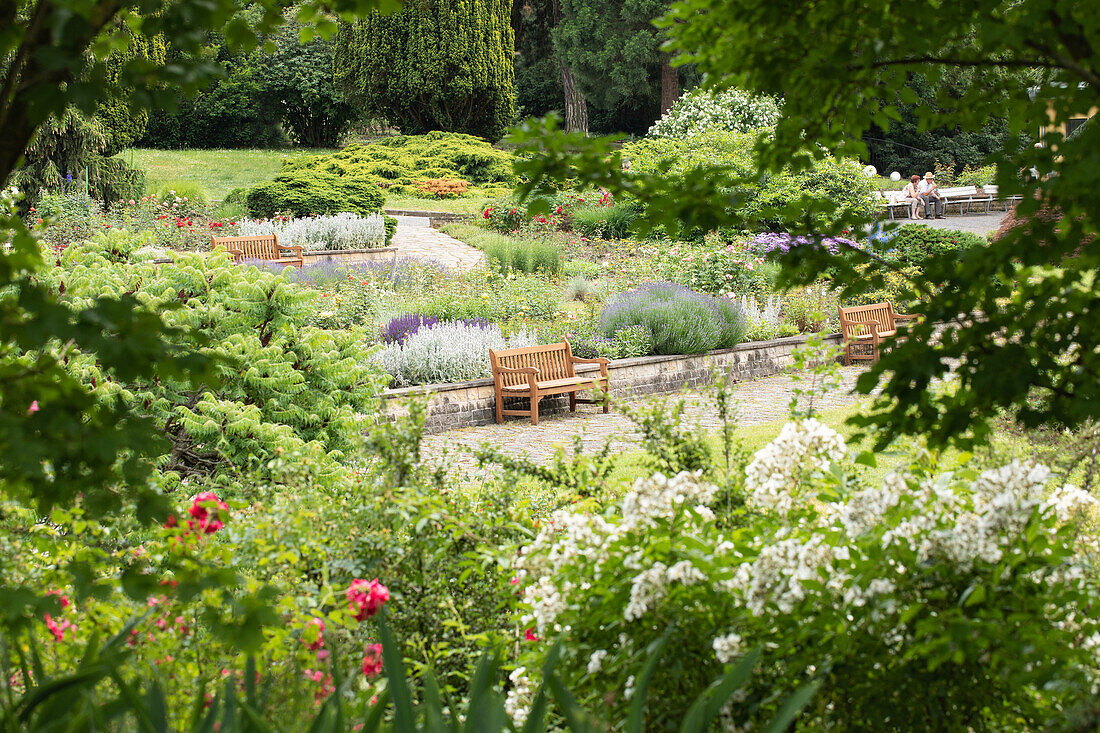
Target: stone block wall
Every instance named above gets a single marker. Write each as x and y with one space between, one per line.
351 256
452 406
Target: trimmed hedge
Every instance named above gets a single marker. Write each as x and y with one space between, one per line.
915 244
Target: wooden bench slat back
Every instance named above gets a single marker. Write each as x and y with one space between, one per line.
259 247
857 319
552 360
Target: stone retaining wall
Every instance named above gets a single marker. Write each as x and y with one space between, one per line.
465 404
350 256
435 219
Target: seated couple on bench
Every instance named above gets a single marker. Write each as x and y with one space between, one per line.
925 191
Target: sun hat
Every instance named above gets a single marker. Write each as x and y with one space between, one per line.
929 174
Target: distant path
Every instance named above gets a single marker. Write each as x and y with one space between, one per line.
414 238
980 224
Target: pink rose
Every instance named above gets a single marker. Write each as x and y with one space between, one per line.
206 510
372 660
365 598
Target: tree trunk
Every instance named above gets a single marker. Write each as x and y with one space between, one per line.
670 83
576 108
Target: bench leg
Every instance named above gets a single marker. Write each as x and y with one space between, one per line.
848 353
606 398
500 406
535 410
572 401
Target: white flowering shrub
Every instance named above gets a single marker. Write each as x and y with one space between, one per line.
700 111
447 352
338 231
923 599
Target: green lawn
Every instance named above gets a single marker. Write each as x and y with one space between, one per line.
217 171
220 171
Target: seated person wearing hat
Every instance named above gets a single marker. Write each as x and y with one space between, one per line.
932 200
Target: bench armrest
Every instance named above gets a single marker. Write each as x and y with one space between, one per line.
518 370
903 317
602 361
292 247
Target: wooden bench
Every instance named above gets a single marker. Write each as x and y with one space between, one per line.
868 325
537 371
260 247
892 200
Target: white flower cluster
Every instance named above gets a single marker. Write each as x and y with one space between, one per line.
446 352
660 497
761 317
517 703
568 538
803 447
728 647
700 111
778 574
338 231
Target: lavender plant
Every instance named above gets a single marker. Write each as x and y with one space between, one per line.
338 231
679 320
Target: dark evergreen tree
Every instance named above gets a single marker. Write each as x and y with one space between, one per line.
435 65
613 49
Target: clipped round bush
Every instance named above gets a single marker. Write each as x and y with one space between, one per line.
679 320
701 110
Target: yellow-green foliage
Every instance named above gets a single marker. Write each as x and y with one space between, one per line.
399 164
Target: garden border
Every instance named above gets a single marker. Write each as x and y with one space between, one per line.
467 404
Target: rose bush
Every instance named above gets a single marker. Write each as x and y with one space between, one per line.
922 598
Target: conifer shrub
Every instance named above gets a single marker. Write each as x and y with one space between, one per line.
310 192
284 386
401 165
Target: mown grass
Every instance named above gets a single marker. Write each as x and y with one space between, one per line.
218 172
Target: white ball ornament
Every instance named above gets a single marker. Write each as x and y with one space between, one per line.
895 176
870 171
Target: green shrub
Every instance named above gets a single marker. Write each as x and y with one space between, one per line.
191 191
580 268
914 244
304 192
391 228
679 320
285 387
718 268
399 164
523 255
760 199
605 222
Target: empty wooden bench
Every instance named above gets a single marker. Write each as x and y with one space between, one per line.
536 371
261 247
866 326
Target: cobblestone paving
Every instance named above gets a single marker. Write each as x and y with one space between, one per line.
414 238
758 401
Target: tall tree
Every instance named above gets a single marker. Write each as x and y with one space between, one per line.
54 53
613 49
576 106
435 65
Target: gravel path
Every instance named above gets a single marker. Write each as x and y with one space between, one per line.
414 238
758 401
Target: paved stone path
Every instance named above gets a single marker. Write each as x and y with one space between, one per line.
758 401
980 224
414 238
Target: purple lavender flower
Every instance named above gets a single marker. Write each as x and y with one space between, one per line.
399 329
772 243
